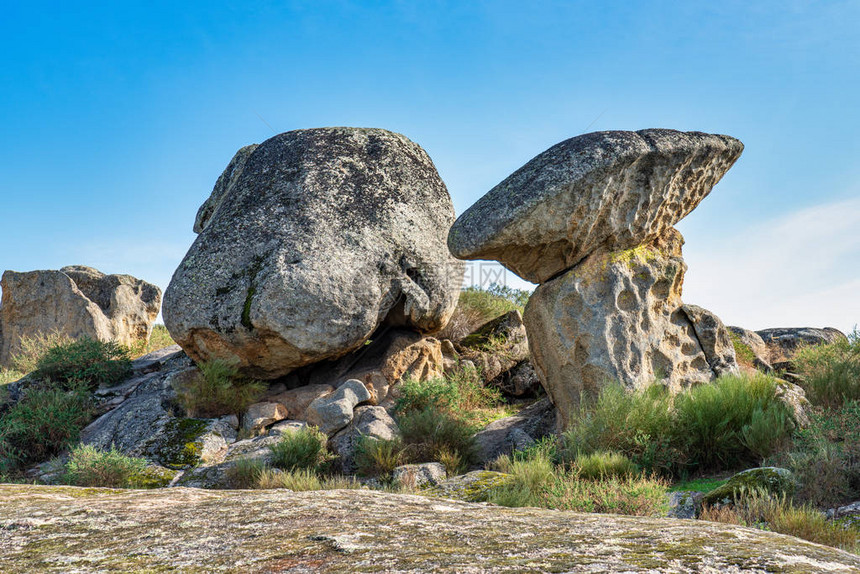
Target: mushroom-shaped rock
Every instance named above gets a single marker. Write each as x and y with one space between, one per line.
603 191
309 242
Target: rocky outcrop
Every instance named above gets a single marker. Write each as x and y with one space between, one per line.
771 479
782 344
591 220
603 191
618 317
311 241
517 432
95 530
75 301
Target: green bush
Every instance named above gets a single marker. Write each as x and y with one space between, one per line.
89 466
599 465
830 374
375 457
43 423
218 389
94 362
301 449
431 432
718 423
721 425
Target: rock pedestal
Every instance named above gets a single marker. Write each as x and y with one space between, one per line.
591 220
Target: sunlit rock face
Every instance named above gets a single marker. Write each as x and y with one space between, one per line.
310 241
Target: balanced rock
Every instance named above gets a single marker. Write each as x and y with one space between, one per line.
310 241
619 317
603 191
75 301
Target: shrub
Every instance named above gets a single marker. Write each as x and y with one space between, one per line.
33 348
831 373
89 466
218 389
43 423
94 362
777 514
301 449
375 457
637 424
715 426
303 479
246 472
600 465
825 456
431 432
476 306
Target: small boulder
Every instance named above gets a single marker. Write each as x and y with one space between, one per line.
750 350
475 486
509 434
598 192
685 504
260 415
333 412
771 479
419 475
714 339
370 421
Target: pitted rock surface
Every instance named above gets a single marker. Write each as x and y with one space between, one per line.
602 191
615 317
308 244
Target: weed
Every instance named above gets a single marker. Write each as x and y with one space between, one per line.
89 466
218 389
430 432
246 472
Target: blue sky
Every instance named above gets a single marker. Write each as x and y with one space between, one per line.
118 118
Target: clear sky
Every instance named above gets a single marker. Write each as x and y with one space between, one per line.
118 117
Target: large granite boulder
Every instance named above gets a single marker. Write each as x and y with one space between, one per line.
603 191
782 343
311 241
618 317
76 301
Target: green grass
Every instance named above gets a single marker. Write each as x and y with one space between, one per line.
89 466
536 481
375 457
599 465
96 363
218 389
703 485
303 449
732 422
830 374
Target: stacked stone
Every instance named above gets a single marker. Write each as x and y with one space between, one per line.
591 221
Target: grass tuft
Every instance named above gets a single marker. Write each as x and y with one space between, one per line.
89 466
218 390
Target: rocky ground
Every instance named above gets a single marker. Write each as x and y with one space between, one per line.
68 529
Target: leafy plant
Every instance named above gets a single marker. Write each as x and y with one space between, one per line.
431 432
85 360
218 389
89 466
301 449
